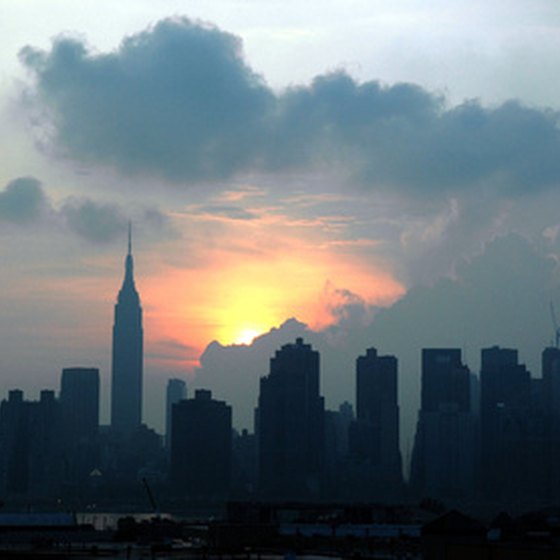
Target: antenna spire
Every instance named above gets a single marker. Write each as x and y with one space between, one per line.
129 237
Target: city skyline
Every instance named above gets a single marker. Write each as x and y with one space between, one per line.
468 430
388 189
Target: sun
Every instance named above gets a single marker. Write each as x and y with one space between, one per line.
246 336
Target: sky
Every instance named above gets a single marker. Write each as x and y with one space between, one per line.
364 173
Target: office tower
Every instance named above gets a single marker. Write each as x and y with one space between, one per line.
176 391
79 403
551 380
244 464
201 442
505 402
443 462
375 434
126 388
337 427
30 444
445 381
551 405
290 424
79 399
343 419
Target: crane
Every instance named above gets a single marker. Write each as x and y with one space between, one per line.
151 497
555 326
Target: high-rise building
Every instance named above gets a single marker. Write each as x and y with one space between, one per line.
443 461
79 399
290 425
201 446
505 398
551 405
551 380
79 403
374 436
518 454
30 438
126 388
176 391
445 380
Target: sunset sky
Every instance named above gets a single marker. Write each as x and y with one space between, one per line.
277 159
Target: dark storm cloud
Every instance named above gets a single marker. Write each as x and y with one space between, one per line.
22 201
403 136
99 223
179 100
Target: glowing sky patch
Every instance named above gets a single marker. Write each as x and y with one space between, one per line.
232 300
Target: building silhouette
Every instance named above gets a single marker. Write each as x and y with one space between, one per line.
30 443
551 404
505 396
445 380
290 425
443 461
79 399
551 380
127 363
79 404
374 436
176 391
201 447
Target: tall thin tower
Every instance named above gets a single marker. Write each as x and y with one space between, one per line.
126 390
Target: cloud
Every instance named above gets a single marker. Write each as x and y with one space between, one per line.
227 211
178 100
102 223
98 223
22 201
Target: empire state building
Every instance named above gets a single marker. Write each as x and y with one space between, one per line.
126 387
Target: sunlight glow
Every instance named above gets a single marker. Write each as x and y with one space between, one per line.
239 293
246 336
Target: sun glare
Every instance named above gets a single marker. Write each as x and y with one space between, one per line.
235 300
246 336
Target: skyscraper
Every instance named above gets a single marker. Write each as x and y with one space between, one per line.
201 446
79 397
126 395
290 424
443 457
176 391
375 434
445 380
551 379
79 401
30 454
507 425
